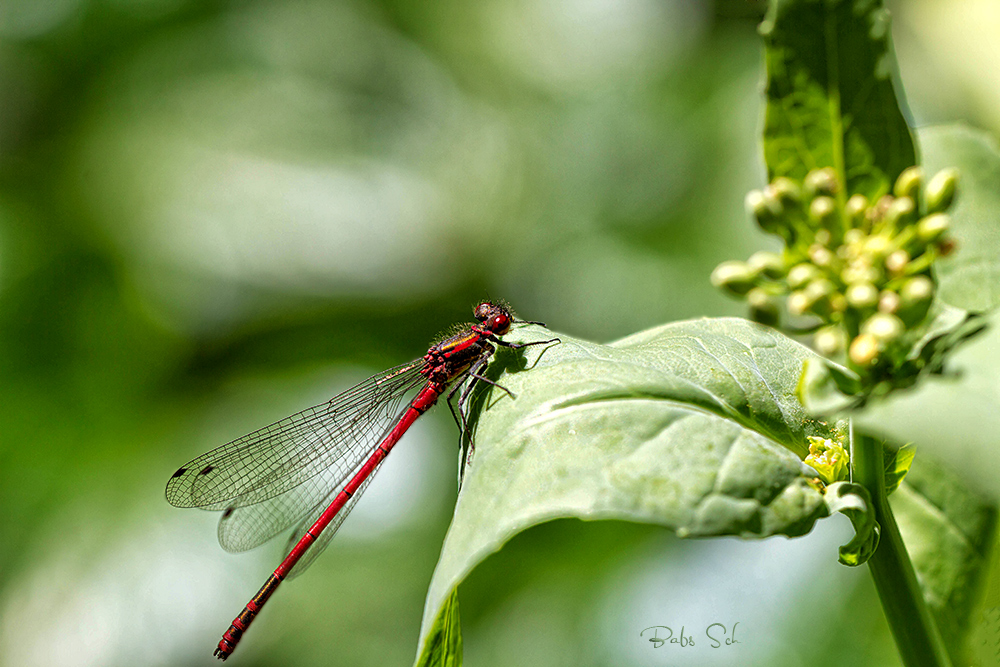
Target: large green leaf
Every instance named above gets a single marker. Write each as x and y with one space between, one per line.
970 278
444 648
830 99
693 425
948 531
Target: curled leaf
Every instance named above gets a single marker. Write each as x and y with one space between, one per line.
854 501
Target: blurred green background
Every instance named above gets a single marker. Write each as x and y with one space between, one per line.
215 213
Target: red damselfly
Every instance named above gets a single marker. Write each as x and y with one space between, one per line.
307 471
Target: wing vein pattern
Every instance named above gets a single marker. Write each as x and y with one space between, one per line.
277 476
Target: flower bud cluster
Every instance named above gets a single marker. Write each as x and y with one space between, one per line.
859 271
828 458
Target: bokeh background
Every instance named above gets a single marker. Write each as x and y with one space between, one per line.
215 213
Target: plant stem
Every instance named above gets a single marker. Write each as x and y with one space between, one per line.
913 627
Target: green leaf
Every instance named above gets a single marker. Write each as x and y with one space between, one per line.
970 277
954 416
444 649
897 464
944 329
830 100
947 530
853 501
826 388
694 426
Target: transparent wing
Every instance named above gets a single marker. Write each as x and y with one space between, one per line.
323 541
245 527
329 439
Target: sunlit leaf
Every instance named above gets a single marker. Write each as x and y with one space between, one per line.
897 464
830 99
948 530
694 426
445 647
970 278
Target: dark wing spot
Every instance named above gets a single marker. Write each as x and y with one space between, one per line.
207 469
227 513
180 471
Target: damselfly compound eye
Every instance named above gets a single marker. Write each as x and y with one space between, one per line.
500 323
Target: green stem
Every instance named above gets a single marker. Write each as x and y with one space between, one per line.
913 627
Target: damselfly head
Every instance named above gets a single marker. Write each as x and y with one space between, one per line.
496 317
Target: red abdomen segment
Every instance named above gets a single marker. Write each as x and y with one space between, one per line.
423 401
232 636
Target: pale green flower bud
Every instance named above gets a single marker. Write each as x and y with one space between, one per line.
900 211
819 290
888 302
897 261
933 227
860 271
830 340
915 298
855 209
838 303
821 182
909 182
734 277
798 303
760 205
785 190
763 307
864 350
823 210
917 288
854 236
768 264
940 191
878 246
767 211
820 255
876 213
862 295
884 327
801 274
